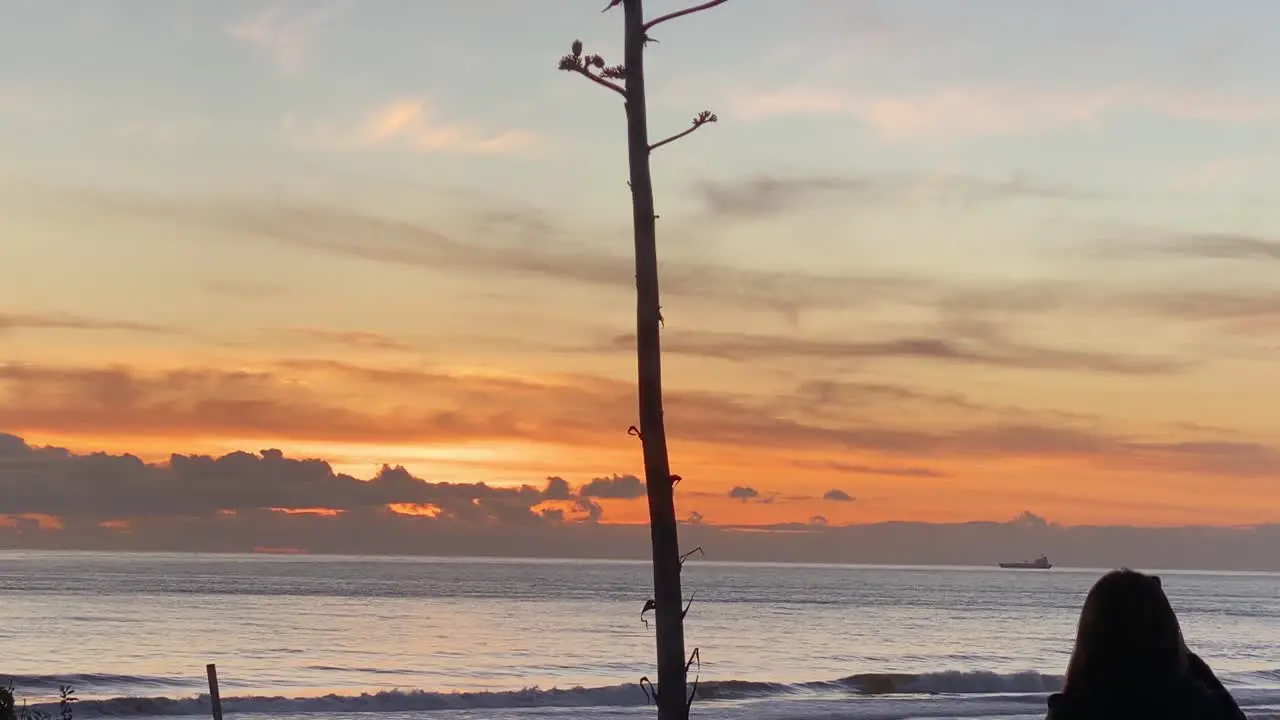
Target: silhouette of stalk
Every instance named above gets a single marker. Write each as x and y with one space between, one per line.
671 694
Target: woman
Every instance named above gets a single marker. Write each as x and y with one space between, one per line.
1130 660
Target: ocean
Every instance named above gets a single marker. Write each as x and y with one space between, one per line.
465 639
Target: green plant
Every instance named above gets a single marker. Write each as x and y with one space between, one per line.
10 709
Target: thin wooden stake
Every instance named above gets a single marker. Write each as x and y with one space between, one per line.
214 698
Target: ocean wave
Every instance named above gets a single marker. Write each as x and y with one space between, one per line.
381 702
1020 688
630 695
89 681
954 683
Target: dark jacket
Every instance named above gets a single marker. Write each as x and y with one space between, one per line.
1198 696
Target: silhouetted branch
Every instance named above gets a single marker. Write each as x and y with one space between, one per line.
576 62
689 554
694 656
685 611
702 118
648 605
693 690
679 13
634 432
650 691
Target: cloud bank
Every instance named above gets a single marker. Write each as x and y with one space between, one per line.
55 499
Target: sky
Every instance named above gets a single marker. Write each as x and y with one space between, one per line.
936 263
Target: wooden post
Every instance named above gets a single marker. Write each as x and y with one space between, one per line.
214 698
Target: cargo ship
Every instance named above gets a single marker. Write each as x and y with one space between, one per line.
1040 563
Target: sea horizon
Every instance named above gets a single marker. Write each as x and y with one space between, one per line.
535 559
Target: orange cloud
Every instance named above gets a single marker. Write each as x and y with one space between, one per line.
318 400
323 512
896 453
352 338
67 321
415 509
411 125
41 522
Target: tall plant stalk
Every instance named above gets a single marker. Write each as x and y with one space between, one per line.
672 694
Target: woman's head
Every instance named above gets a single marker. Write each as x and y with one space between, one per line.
1128 635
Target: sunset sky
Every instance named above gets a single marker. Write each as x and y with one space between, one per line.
937 261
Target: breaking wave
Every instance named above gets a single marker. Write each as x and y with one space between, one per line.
1016 690
611 696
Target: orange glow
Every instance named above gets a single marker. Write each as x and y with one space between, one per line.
117 525
44 523
509 429
415 509
570 510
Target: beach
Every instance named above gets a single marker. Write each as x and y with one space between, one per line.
499 638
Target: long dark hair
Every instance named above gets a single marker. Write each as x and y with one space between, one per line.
1128 637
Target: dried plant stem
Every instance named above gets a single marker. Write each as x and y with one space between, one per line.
671 693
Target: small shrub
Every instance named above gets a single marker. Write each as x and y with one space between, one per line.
10 709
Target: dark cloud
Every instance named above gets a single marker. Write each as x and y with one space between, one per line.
1186 303
365 339
767 195
65 321
511 239
121 401
515 242
989 350
617 487
848 393
905 471
739 492
592 509
837 495
1204 246
48 481
243 289
1204 306
527 243
526 224
557 488
55 499
53 481
1228 458
1026 518
377 530
1226 247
